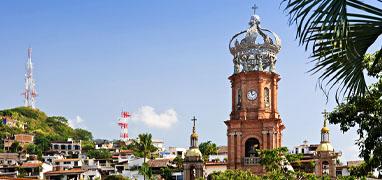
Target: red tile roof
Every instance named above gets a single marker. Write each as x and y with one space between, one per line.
70 171
158 162
66 160
126 151
12 178
31 164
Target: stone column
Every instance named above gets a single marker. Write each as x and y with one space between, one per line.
271 139
332 168
261 94
235 149
265 139
231 151
274 94
239 148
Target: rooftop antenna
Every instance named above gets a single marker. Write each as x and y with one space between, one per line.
29 91
122 122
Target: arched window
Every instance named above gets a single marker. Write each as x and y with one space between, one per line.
192 172
238 99
251 145
325 137
267 98
325 168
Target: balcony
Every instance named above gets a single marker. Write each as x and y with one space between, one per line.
251 160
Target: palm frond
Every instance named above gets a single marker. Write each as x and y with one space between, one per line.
339 39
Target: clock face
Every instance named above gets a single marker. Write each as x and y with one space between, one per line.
252 95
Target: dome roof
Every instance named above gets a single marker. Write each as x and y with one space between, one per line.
255 49
193 152
325 129
325 147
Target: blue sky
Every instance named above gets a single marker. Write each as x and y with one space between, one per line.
163 60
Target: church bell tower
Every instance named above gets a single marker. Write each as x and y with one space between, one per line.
254 120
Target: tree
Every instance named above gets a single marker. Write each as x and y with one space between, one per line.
365 114
42 142
15 147
178 161
116 177
87 145
339 32
146 171
34 149
276 161
361 170
235 174
143 146
99 154
208 148
166 173
82 134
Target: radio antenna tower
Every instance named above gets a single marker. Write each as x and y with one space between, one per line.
122 122
29 91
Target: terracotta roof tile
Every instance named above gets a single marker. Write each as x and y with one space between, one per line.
66 160
70 171
158 162
31 164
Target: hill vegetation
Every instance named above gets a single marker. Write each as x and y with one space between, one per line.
45 129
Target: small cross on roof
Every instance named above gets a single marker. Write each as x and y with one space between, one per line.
254 7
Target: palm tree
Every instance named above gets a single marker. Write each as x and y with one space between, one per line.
143 146
146 171
339 33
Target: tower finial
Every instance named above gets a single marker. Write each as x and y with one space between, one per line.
254 7
193 127
326 114
325 128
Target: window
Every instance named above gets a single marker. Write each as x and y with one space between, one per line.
68 162
63 147
267 98
70 147
250 147
55 146
238 99
325 167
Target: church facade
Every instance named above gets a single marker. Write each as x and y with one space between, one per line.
254 120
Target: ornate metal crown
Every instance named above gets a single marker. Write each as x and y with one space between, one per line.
250 53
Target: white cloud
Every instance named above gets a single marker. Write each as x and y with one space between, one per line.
77 122
163 120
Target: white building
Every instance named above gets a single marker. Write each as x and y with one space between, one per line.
67 163
50 158
176 151
158 144
67 148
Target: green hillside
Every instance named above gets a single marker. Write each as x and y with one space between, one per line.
36 122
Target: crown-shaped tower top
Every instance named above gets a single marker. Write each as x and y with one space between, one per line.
254 49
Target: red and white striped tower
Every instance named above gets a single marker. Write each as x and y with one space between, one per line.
29 91
122 122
